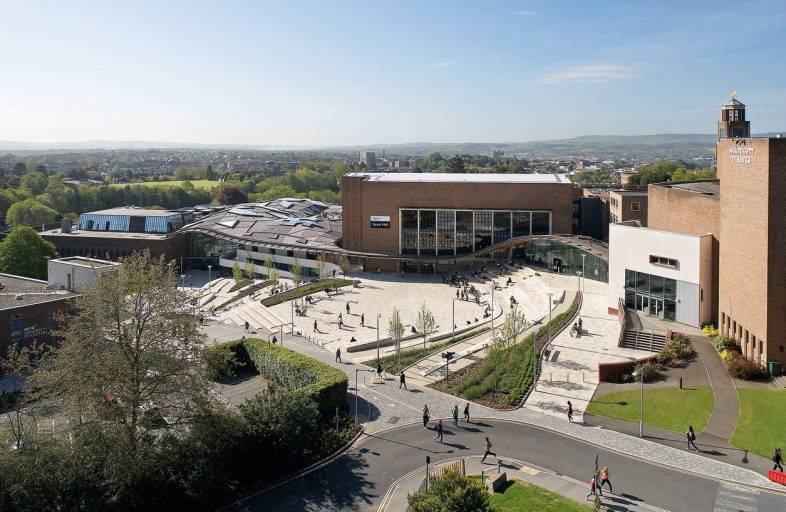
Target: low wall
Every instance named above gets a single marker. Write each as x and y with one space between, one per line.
611 372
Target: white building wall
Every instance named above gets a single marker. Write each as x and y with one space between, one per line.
76 273
630 248
277 258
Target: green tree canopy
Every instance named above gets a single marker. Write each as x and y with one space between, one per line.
30 212
35 182
24 253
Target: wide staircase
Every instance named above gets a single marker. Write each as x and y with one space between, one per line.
257 316
644 340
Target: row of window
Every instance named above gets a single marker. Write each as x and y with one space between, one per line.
308 255
664 262
260 265
452 232
747 342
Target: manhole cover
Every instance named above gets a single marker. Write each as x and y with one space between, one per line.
393 419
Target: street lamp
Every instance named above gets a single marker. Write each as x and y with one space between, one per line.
453 335
583 271
182 281
356 391
209 268
379 315
493 284
640 373
578 278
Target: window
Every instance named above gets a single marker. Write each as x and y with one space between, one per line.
635 206
483 226
541 223
428 232
463 232
501 226
761 347
409 231
446 226
663 262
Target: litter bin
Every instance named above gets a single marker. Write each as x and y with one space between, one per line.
775 368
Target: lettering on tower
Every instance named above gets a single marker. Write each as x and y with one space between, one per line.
742 155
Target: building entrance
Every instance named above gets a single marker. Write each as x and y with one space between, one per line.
643 303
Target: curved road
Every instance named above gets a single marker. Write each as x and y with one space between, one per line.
359 480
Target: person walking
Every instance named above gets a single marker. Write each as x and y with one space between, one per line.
597 482
338 355
466 412
691 436
379 372
362 320
592 487
425 417
246 325
315 326
581 324
487 446
402 381
604 478
347 307
777 458
455 415
570 412
439 431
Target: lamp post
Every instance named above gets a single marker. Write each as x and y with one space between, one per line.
453 335
209 268
578 278
379 315
640 373
493 284
583 271
292 308
182 281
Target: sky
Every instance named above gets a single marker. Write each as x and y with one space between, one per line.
334 72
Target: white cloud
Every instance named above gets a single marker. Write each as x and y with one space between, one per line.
598 73
442 65
524 13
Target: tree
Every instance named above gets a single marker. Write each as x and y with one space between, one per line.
250 268
343 262
505 336
451 492
396 332
17 365
229 194
297 272
425 322
24 253
35 182
130 359
320 264
456 164
270 269
30 212
237 272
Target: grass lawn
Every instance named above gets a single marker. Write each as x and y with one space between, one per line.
667 408
762 423
203 184
520 497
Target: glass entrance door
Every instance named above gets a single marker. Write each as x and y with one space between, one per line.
642 303
656 307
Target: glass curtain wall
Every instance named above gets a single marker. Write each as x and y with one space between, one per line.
567 259
541 223
428 232
464 234
409 232
521 224
651 294
483 225
501 227
446 230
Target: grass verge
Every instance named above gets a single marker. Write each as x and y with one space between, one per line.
520 496
667 408
412 355
307 289
760 427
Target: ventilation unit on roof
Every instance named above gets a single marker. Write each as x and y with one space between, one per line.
229 223
302 241
273 236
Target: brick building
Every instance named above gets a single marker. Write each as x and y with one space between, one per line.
417 220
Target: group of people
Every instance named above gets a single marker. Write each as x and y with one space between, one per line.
438 427
599 479
468 293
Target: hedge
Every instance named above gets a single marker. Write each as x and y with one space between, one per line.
306 289
294 372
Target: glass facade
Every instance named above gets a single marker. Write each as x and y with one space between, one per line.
563 258
651 294
454 232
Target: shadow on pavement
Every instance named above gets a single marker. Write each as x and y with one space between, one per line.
340 485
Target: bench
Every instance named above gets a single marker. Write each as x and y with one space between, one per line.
496 482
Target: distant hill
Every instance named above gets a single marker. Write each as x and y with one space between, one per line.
665 143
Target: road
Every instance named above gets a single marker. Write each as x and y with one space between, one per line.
359 480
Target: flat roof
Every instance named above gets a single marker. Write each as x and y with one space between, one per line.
442 177
81 261
705 187
77 233
31 291
130 210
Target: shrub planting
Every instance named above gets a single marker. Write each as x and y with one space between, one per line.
742 368
306 289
